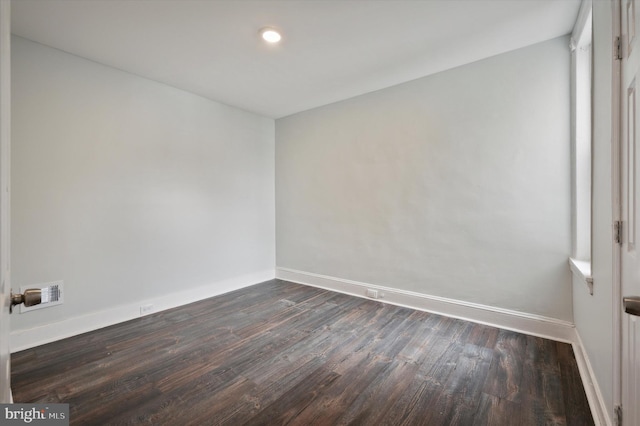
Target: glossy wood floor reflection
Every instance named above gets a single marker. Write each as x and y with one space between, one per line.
280 353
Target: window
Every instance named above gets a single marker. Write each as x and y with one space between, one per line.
581 65
581 126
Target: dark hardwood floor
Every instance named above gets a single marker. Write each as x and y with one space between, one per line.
281 353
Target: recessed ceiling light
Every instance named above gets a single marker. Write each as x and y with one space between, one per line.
270 35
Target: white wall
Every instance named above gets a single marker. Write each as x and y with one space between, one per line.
593 315
454 185
128 189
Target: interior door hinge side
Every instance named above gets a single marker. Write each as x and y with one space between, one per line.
618 49
617 231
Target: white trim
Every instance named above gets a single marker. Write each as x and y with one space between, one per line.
536 325
581 33
592 389
25 339
617 92
582 270
581 267
5 196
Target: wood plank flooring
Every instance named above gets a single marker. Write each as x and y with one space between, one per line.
280 353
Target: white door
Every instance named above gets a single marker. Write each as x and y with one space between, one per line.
630 191
5 134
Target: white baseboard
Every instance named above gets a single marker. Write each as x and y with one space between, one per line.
532 324
25 339
598 407
536 325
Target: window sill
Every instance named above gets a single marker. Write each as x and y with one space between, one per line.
581 269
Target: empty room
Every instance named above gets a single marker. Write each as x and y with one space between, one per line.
319 212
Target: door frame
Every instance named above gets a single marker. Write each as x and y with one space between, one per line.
5 210
618 96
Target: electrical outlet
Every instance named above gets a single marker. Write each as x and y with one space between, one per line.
146 309
51 295
372 293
